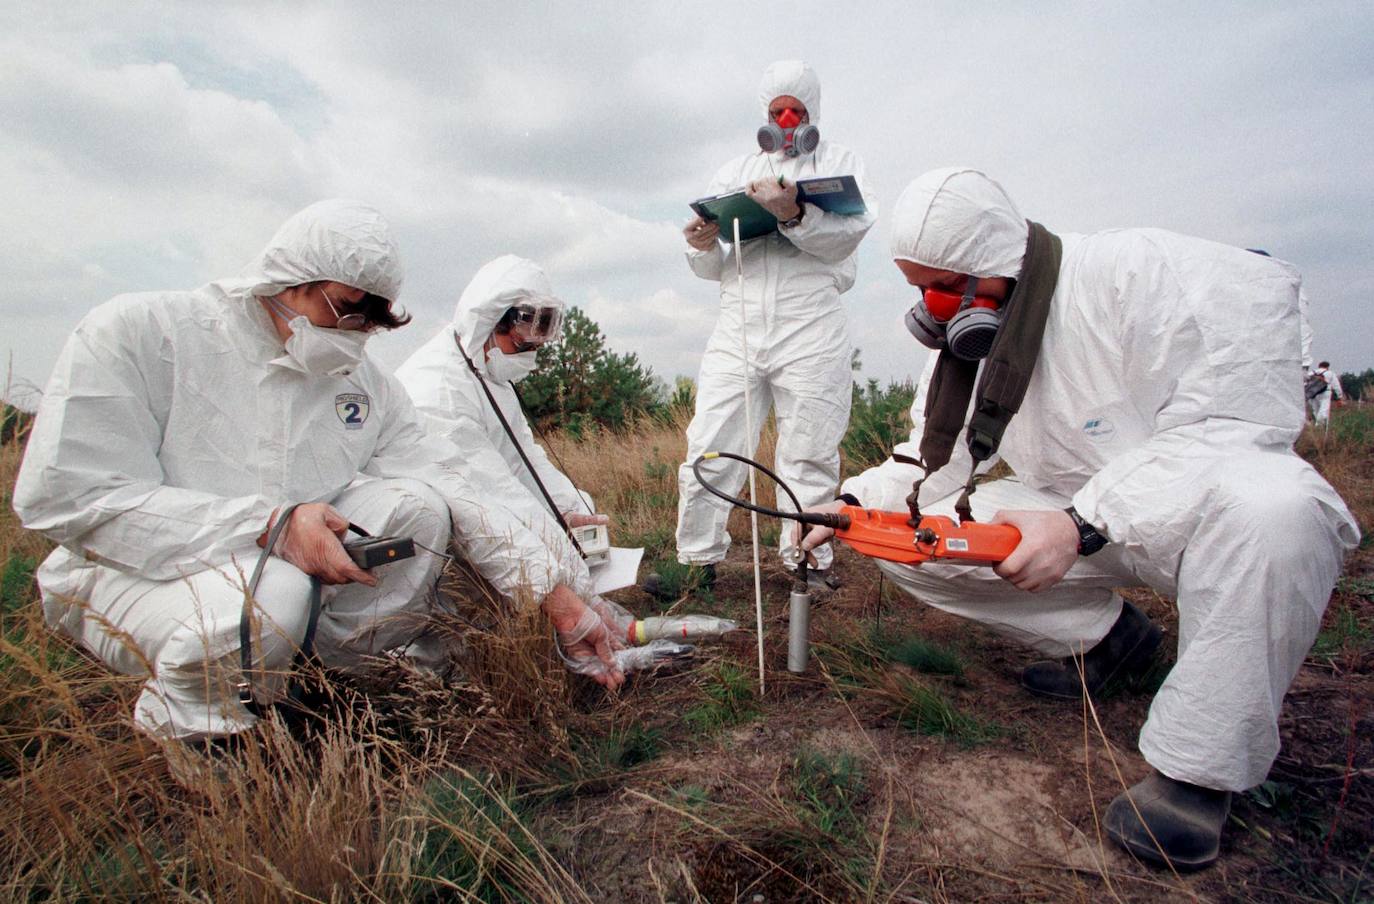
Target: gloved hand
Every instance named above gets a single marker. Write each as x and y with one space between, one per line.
584 641
617 618
310 541
582 519
779 200
701 233
653 654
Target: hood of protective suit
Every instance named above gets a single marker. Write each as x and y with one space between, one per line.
341 241
959 219
792 77
498 286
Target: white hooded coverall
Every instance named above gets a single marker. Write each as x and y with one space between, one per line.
1320 404
171 429
797 335
453 405
1163 408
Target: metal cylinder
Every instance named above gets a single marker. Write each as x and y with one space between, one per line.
798 631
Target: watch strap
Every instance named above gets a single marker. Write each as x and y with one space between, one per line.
1089 539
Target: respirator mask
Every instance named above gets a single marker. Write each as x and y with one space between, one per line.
789 134
503 368
965 324
319 350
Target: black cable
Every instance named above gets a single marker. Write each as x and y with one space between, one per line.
307 645
824 519
553 506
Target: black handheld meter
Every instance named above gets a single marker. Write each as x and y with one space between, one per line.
369 552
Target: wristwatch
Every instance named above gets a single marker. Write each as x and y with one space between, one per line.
1089 540
795 221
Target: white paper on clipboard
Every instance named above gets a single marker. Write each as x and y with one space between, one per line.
621 569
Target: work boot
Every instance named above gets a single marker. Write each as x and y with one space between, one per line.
653 584
1184 819
1127 650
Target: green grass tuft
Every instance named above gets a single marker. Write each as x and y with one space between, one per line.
676 579
830 789
922 655
925 711
729 700
473 834
16 582
1345 633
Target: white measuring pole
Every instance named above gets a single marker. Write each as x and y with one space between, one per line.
748 452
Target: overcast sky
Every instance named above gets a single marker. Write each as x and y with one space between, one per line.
158 146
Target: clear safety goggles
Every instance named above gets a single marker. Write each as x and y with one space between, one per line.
538 320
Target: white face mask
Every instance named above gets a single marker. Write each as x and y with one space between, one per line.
322 352
503 367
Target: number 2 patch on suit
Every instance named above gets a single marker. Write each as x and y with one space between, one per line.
352 408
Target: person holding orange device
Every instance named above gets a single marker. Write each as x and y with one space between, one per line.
1138 382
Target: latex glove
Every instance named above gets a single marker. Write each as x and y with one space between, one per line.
310 541
582 519
701 233
617 618
1048 548
583 639
654 654
779 200
818 535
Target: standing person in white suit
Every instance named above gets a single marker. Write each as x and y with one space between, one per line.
1320 404
792 318
176 430
1153 446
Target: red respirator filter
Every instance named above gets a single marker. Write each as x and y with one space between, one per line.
943 305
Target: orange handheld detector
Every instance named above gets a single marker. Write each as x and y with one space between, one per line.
888 536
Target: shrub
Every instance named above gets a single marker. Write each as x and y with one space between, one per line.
879 419
578 381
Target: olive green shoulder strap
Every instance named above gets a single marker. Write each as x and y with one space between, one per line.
1006 372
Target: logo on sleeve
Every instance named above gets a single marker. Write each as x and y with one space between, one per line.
352 409
1099 429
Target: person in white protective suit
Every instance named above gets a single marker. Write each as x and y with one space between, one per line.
798 340
1320 404
178 426
1159 420
504 315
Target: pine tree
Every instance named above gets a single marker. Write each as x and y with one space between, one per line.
578 381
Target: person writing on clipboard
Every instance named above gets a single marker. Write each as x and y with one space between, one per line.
797 336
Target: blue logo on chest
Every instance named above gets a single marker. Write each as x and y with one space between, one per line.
1099 429
352 408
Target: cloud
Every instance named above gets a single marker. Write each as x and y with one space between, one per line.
158 145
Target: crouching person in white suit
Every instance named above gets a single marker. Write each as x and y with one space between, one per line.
1150 375
177 428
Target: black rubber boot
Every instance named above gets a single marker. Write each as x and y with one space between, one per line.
1127 650
1185 822
653 584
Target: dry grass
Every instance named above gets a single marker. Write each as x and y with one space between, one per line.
887 774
